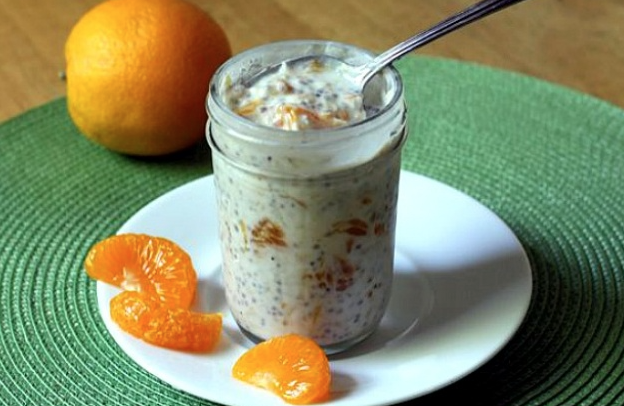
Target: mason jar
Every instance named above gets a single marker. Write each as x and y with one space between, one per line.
307 218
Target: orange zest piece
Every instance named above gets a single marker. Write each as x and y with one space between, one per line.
291 117
143 263
249 108
149 319
291 366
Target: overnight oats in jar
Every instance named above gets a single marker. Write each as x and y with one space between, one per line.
306 174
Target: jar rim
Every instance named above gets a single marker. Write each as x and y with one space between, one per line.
343 171
268 135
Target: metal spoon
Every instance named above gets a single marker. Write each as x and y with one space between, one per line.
360 75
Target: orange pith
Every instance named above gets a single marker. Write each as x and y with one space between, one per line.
149 319
291 366
143 263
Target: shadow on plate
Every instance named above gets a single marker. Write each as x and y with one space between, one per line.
430 301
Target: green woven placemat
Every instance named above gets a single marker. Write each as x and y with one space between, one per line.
547 160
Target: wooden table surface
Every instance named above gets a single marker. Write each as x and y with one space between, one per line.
576 43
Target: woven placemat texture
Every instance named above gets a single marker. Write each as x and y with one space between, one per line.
546 159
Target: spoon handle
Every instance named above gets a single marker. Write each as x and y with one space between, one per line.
464 17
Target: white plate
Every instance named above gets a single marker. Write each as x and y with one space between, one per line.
462 288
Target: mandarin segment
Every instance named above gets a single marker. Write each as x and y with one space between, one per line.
132 311
291 366
147 318
184 330
144 263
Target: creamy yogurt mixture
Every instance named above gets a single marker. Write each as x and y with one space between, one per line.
313 255
309 257
306 95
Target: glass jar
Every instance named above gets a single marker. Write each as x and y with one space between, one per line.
307 218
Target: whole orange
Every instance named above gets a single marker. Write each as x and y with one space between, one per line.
138 73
